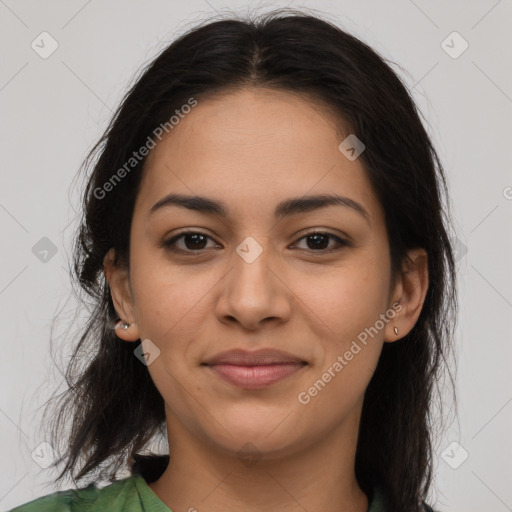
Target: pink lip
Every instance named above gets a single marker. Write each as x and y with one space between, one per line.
264 356
255 377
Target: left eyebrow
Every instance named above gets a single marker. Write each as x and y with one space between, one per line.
285 208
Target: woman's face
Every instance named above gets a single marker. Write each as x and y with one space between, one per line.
253 280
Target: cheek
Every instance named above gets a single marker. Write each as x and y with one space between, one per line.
170 310
346 300
167 296
344 310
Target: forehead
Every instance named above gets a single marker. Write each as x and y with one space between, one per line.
252 149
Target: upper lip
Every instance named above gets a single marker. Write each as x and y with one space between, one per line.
255 358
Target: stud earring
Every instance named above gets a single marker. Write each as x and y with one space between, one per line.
123 325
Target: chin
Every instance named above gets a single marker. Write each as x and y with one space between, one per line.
262 438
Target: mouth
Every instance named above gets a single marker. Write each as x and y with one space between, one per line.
254 370
255 377
264 356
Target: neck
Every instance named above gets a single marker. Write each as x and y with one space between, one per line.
201 476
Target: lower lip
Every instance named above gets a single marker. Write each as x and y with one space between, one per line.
255 377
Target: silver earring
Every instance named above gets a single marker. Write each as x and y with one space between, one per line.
123 325
396 330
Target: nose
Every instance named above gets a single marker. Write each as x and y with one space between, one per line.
254 292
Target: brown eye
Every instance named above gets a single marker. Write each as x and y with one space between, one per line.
319 242
192 241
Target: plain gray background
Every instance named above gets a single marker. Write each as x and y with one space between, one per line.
53 109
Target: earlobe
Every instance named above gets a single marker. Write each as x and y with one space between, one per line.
127 331
392 330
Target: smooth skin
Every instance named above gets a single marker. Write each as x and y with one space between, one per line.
250 150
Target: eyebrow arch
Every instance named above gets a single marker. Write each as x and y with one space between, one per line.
286 208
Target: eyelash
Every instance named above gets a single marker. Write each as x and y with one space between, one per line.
169 244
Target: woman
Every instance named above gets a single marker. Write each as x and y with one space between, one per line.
265 241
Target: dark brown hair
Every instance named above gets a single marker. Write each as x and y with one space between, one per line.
115 408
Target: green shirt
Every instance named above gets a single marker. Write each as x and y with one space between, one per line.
130 494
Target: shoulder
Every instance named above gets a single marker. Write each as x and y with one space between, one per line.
120 495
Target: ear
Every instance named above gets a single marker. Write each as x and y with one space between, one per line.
410 291
118 279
